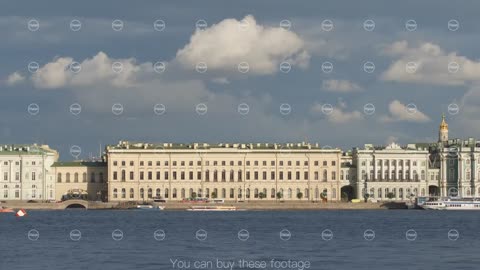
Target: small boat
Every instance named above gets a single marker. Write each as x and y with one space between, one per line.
149 207
6 210
214 208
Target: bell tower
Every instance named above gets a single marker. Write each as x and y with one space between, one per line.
443 130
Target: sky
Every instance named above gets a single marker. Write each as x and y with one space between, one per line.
338 73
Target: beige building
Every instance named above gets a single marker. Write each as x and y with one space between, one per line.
142 171
80 179
26 173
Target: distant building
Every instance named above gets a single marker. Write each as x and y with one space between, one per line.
26 172
80 179
142 171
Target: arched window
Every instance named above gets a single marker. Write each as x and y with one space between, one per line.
92 177
150 193
325 175
158 194
207 193
422 175
207 176
364 175
124 193
317 193
289 194
372 192
75 178
115 193
174 193
232 175
306 194
255 193
224 175
84 177
166 193
142 193
239 194
215 176
273 193
224 193
247 193
400 192
132 193
182 193
380 195
239 176
469 193
59 177
190 193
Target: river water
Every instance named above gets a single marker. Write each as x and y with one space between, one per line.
343 239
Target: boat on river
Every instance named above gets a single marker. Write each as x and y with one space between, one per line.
453 203
214 208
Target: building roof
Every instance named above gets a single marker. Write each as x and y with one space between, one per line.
26 149
80 163
205 146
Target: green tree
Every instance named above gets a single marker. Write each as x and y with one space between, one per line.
279 195
262 195
214 195
299 195
194 195
390 195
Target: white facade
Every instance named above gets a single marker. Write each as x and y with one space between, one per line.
26 172
398 171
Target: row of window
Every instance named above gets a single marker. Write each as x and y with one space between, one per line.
224 176
17 163
224 163
32 176
68 179
387 162
384 192
222 193
30 193
393 175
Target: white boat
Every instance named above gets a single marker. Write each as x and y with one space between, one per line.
149 207
213 208
456 203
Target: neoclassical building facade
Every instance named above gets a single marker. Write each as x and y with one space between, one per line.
142 171
26 172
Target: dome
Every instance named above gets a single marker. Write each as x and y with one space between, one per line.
443 124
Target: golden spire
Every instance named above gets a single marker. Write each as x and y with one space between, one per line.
443 124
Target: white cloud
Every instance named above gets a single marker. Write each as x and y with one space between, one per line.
432 65
401 112
221 80
224 45
340 86
338 114
14 78
94 71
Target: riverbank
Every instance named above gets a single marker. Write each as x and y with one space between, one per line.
172 206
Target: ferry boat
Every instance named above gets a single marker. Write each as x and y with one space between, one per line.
214 208
453 204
